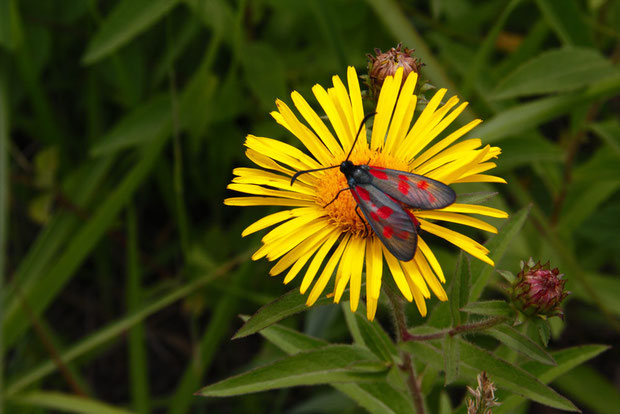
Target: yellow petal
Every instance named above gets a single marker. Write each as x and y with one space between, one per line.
356 104
432 128
413 275
480 178
457 218
371 308
385 108
310 141
402 114
331 111
281 152
432 260
444 143
463 242
317 261
429 277
355 286
374 267
455 152
476 209
262 191
406 150
267 201
265 162
269 221
311 243
397 274
317 124
327 272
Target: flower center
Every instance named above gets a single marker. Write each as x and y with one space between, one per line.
341 210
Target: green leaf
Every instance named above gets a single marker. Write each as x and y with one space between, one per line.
114 330
264 72
515 340
459 290
128 19
606 287
590 388
609 132
529 115
475 198
518 151
559 70
498 244
490 308
286 305
84 241
512 377
451 358
65 403
507 275
376 339
332 363
378 397
140 126
567 21
10 25
566 360
504 375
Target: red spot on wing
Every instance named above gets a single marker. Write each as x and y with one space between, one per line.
388 232
402 177
363 193
379 174
431 198
403 235
403 187
385 212
374 216
423 185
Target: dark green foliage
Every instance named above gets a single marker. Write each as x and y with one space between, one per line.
123 273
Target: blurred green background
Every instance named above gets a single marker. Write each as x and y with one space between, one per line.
120 124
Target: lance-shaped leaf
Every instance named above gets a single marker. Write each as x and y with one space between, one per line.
505 375
379 397
332 363
490 308
515 340
286 305
566 359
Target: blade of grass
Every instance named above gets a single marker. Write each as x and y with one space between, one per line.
4 192
128 19
114 330
215 333
530 115
65 403
137 361
485 50
43 292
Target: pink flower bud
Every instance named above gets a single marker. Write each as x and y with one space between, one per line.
539 290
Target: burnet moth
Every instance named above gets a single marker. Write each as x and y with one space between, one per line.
381 194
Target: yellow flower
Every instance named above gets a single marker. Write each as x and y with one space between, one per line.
311 232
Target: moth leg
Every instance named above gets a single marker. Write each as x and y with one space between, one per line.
338 194
367 232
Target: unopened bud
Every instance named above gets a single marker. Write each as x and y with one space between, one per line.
539 290
385 64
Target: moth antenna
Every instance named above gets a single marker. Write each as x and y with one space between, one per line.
298 173
366 118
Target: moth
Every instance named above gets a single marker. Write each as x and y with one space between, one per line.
385 196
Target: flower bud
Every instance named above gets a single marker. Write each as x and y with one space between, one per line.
386 63
539 290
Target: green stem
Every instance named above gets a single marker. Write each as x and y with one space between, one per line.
402 335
